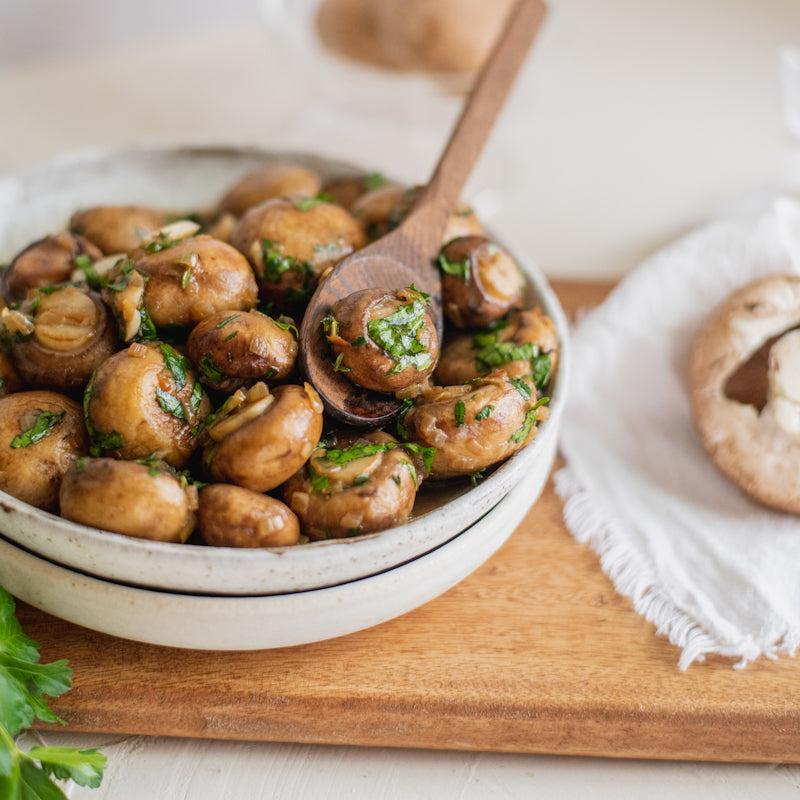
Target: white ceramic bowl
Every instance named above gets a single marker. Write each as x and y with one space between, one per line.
40 202
255 623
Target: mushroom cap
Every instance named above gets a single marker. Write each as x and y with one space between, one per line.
751 447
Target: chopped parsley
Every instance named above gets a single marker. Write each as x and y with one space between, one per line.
522 386
460 412
85 265
485 412
160 242
357 451
396 335
541 367
276 264
210 369
224 322
521 434
176 364
307 203
498 353
170 404
43 426
338 366
402 431
373 180
459 269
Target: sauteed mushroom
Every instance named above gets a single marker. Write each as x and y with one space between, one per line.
481 282
475 425
524 343
382 209
145 401
117 228
354 484
290 243
46 262
41 434
268 182
232 348
144 500
230 516
383 340
260 438
190 278
72 334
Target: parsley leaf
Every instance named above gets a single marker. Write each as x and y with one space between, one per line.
364 450
521 434
485 411
170 404
459 269
210 368
227 320
24 682
373 180
176 364
499 353
460 411
86 266
43 426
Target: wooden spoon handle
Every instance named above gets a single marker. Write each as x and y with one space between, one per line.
428 218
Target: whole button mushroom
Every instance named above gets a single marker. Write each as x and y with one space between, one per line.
143 500
345 190
232 348
290 243
191 278
259 438
41 434
46 262
476 425
117 228
268 182
481 282
384 208
523 344
383 340
146 400
72 334
230 516
355 484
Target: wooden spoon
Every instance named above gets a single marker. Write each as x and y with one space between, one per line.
407 254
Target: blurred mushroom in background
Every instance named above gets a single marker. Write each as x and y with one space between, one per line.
437 36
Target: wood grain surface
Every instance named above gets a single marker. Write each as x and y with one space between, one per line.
534 652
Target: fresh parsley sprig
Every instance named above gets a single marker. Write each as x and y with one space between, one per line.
24 683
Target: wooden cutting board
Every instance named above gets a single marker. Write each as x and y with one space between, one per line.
534 652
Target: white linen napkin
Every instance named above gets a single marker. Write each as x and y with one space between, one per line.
713 570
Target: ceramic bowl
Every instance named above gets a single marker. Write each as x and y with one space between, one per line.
254 623
39 202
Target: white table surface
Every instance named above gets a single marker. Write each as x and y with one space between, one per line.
633 121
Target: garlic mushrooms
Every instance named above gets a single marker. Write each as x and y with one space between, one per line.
149 377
